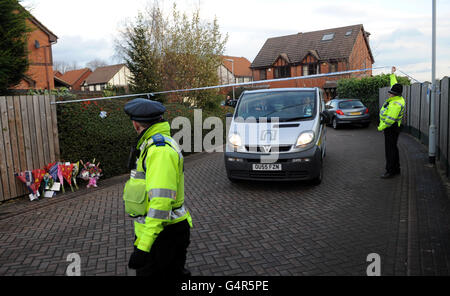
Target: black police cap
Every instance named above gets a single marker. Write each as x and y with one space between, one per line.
144 110
396 90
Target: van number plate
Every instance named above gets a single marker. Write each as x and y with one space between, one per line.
267 167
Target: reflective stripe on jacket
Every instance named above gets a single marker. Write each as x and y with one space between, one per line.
164 184
393 109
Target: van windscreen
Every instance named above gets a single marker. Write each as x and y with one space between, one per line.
285 105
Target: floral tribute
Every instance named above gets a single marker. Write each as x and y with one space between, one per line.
50 179
91 172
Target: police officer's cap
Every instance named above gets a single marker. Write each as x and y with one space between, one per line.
144 110
396 90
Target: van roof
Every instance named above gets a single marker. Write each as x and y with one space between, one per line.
282 89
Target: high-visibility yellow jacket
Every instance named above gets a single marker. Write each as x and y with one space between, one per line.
159 179
393 109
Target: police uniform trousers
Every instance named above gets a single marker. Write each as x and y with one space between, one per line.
391 150
168 253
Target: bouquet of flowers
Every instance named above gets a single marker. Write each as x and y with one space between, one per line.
48 183
52 169
91 172
38 177
27 178
66 172
75 170
60 175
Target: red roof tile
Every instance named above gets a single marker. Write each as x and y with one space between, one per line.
72 76
241 66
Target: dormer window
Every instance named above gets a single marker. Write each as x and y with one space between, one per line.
282 72
311 69
327 37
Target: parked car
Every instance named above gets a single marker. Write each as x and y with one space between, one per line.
277 134
347 111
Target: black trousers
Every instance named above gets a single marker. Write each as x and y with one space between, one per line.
168 253
391 150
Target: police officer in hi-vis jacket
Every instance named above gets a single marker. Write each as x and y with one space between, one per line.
154 195
391 115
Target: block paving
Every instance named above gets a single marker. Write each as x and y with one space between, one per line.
256 228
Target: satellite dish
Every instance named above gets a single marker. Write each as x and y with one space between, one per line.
36 44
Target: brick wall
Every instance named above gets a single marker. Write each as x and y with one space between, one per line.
40 59
360 57
77 84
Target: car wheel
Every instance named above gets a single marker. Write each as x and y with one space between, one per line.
232 180
317 180
335 124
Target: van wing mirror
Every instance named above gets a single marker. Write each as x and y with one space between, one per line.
324 117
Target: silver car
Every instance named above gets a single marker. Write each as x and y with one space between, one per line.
347 111
277 134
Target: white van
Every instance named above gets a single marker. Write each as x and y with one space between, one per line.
277 134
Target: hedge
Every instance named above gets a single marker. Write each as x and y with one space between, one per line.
85 135
366 89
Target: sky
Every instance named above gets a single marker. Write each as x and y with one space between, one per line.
401 31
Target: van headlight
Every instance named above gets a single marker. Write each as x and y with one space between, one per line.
305 138
235 140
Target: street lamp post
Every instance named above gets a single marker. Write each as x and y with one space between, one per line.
232 72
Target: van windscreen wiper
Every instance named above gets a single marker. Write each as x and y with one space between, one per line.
294 118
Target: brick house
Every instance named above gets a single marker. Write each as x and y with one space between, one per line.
234 70
40 71
114 75
76 78
303 54
58 82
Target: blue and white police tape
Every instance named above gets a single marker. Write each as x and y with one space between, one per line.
149 95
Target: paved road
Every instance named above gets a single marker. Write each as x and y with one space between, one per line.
256 228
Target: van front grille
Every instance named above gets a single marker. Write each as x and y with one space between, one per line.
260 148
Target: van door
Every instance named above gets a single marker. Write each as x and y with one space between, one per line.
322 130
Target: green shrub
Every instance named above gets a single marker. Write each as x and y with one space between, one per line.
84 135
366 89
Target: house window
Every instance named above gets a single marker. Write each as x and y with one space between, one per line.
333 67
282 72
310 69
327 37
262 74
348 33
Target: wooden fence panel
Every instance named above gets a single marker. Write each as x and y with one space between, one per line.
37 122
20 138
43 117
444 125
405 95
437 118
424 114
55 127
26 133
32 130
7 143
51 138
4 184
415 108
14 142
383 95
28 139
